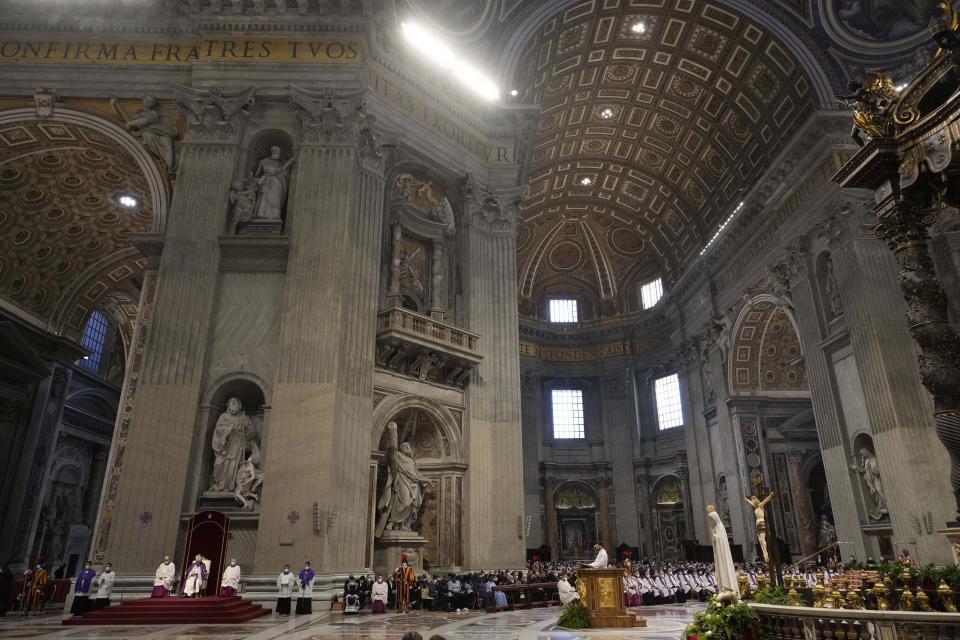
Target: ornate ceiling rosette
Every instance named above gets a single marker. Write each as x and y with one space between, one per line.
648 136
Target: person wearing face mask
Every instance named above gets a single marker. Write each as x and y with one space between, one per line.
195 579
285 583
81 589
305 581
163 579
230 583
379 594
104 586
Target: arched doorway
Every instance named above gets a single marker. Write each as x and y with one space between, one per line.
576 505
669 519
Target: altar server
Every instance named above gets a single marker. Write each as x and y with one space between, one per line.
163 579
104 586
286 581
81 589
230 583
305 582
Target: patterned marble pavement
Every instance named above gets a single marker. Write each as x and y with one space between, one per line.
664 623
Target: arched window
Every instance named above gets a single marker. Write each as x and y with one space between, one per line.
95 340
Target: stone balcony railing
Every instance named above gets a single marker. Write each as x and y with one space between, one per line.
425 348
801 623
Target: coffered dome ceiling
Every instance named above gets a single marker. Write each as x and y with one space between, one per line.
647 139
65 246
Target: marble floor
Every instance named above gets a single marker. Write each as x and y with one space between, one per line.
664 623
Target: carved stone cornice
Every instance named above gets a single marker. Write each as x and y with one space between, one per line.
492 211
213 115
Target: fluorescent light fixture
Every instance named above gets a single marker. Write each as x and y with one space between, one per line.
437 52
638 27
128 201
720 229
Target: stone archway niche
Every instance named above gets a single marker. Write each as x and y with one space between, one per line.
436 542
576 508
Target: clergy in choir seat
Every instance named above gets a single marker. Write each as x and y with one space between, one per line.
230 583
305 582
196 577
566 591
163 579
285 584
600 562
104 586
81 589
379 594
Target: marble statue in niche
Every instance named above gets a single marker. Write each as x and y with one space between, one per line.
869 471
243 197
271 186
403 494
826 533
832 292
233 435
156 132
249 480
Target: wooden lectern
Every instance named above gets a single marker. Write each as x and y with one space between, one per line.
601 590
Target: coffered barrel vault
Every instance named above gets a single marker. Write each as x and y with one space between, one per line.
656 118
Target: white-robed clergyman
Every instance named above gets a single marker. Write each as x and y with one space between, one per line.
722 558
230 583
601 561
285 584
196 576
566 591
163 579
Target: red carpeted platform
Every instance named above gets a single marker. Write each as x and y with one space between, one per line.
174 611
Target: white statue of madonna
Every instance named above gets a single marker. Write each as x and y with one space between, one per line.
271 182
232 434
722 558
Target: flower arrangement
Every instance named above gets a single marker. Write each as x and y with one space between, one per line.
724 621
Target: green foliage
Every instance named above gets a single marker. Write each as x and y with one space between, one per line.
951 575
735 621
575 616
771 595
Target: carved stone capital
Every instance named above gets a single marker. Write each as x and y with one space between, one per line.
213 115
796 456
329 119
494 212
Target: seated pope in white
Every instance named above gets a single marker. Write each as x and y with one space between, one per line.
600 562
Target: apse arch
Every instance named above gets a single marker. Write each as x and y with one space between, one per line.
747 349
441 416
157 182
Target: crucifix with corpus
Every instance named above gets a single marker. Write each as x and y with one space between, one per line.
759 506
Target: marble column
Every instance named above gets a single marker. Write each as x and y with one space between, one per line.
533 492
493 396
156 441
550 520
618 444
826 404
603 495
911 459
318 447
37 454
802 504
647 539
701 481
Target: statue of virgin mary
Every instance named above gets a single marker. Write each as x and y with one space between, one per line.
722 559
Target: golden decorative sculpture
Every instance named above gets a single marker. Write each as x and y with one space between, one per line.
870 102
793 597
923 600
819 595
946 597
608 598
906 600
882 591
